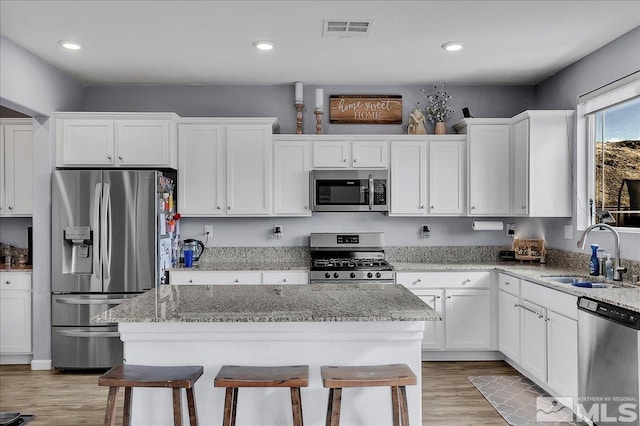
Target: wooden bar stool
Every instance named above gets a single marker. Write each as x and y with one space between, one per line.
147 376
233 377
397 376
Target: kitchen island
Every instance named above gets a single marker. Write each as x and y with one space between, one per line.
324 324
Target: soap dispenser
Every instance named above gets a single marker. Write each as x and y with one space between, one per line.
608 268
594 263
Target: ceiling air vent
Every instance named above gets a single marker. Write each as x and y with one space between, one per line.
345 28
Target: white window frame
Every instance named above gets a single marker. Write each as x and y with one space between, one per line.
615 93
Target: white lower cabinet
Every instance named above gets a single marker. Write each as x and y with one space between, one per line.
433 334
463 299
547 333
15 313
238 277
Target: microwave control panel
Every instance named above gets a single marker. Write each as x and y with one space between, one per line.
379 192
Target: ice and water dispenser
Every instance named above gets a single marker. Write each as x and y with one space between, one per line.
77 250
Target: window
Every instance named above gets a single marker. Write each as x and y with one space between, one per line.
608 147
617 163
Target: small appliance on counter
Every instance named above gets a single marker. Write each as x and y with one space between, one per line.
196 246
349 258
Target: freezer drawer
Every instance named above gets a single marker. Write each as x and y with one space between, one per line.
77 309
85 347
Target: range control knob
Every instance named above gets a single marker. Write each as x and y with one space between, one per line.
369 275
336 275
378 274
327 275
352 275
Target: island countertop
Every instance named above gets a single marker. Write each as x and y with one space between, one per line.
272 303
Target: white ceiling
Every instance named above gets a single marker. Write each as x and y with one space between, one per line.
210 42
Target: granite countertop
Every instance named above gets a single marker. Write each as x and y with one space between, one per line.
245 266
623 294
272 303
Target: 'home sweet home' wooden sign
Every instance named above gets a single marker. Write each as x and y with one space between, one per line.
365 109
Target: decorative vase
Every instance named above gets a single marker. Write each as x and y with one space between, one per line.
440 129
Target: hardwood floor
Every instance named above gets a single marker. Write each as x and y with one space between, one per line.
69 399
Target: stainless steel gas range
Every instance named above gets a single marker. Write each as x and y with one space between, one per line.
349 258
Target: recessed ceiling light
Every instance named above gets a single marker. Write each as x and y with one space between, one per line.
452 46
264 44
71 45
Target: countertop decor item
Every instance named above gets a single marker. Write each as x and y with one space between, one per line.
416 122
437 109
299 105
529 249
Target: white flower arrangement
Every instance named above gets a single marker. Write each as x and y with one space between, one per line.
436 108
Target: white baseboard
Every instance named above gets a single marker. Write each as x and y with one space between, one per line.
462 356
12 359
41 364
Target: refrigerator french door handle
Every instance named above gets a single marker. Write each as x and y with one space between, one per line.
85 301
97 250
371 192
106 230
88 334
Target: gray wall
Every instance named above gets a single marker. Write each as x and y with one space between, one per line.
277 101
33 87
609 63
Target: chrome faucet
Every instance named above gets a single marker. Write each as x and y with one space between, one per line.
618 269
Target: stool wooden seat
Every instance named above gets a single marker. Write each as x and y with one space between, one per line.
233 377
145 376
397 376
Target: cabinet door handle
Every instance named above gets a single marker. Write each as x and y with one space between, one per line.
344 160
218 207
191 281
507 283
418 280
228 207
119 157
237 280
422 207
306 207
431 206
438 297
284 280
10 207
7 282
355 160
448 297
108 157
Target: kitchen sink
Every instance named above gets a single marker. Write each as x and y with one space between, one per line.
579 281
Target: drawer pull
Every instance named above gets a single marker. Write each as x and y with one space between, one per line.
237 280
467 281
8 282
190 281
284 280
507 283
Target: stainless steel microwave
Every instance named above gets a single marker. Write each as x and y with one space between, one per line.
349 190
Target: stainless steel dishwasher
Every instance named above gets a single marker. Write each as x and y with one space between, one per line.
608 363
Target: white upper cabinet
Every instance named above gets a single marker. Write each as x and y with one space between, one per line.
249 162
489 165
357 152
542 163
370 153
16 160
428 175
225 167
408 177
201 169
291 161
447 175
143 142
116 140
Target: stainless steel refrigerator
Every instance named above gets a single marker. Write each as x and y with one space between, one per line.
110 242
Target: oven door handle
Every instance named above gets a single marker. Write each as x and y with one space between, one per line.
371 192
87 334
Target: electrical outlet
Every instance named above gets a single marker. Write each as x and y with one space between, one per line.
426 231
511 229
208 232
277 231
568 232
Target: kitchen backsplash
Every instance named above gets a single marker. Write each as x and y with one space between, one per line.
422 254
